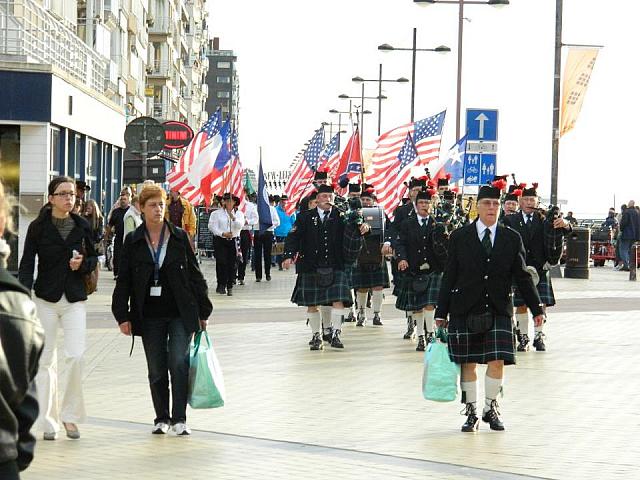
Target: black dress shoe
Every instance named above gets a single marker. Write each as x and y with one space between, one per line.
411 329
421 344
258 280
327 335
376 319
280 268
268 278
221 290
335 340
471 425
538 342
316 342
229 292
361 319
523 342
240 282
492 417
350 317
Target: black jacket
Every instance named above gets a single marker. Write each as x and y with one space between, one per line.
55 277
400 214
542 243
21 342
630 224
136 269
474 283
333 244
416 246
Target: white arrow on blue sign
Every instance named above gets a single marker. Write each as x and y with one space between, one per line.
482 124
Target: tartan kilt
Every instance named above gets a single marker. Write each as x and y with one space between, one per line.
545 290
409 300
307 292
496 344
365 277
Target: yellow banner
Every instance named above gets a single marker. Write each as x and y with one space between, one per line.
577 72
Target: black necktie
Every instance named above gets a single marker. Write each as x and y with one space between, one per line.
325 215
528 222
486 241
424 223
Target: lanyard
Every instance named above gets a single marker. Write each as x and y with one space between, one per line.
156 254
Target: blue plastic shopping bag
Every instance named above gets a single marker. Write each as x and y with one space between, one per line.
206 384
440 376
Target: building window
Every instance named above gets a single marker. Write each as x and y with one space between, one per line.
55 154
223 79
223 94
223 64
93 158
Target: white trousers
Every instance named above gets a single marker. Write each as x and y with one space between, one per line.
73 319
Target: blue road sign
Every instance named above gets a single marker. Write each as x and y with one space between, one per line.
482 124
479 169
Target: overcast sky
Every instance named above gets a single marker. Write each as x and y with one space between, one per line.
296 57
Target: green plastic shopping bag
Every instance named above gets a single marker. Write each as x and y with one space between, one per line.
440 375
206 384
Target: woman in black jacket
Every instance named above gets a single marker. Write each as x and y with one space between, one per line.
21 341
161 296
62 242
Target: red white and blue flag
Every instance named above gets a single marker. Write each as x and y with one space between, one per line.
301 181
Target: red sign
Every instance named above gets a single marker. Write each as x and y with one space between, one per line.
176 134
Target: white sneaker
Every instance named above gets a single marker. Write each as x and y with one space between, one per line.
181 429
160 428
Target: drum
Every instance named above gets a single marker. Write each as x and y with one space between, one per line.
374 216
371 250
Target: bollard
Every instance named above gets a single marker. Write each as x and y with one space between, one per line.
633 261
578 249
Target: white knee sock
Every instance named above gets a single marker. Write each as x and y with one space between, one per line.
325 313
314 321
336 318
470 391
538 329
419 318
492 387
429 320
523 323
376 301
362 300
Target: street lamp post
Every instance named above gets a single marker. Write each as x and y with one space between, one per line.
379 80
360 113
385 47
461 4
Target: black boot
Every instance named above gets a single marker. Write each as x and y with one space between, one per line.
411 329
492 417
350 317
523 342
361 318
538 342
316 342
421 344
327 334
376 319
471 425
335 340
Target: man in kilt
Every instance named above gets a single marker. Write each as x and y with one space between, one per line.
401 213
325 243
484 258
542 236
421 252
370 272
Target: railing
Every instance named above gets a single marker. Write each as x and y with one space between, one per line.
160 68
162 26
33 35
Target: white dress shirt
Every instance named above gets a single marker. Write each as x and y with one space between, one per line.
275 219
220 222
251 216
481 227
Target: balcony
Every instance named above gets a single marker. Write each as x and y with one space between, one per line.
162 26
32 34
160 68
160 110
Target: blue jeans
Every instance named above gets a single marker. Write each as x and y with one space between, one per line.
166 346
625 245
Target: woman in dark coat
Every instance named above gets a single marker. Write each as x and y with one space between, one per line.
162 296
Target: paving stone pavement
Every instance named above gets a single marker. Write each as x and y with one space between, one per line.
359 413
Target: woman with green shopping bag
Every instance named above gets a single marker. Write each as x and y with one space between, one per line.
162 296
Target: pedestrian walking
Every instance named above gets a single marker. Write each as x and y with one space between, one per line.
262 245
116 226
629 233
161 296
246 238
133 217
180 212
21 343
475 296
63 243
283 229
226 224
93 215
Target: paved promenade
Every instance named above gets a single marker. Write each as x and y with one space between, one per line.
570 413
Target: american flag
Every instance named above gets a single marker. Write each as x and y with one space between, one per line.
219 175
414 144
330 155
301 178
178 176
236 172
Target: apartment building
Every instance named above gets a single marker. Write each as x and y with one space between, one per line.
223 81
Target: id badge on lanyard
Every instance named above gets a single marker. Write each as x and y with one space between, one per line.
156 288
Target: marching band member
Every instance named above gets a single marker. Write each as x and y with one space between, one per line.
542 237
421 249
484 258
368 274
325 243
246 236
226 224
511 199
